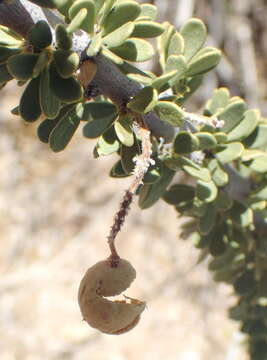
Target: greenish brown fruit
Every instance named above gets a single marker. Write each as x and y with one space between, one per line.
108 279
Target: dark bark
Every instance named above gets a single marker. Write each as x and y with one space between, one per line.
16 17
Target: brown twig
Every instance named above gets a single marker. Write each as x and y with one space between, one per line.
142 163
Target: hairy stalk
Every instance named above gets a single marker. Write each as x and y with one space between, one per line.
142 163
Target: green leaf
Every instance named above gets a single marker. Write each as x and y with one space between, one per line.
206 191
9 37
223 201
124 131
128 153
49 103
98 110
179 193
224 260
67 90
258 139
192 85
87 24
63 6
217 246
164 41
221 137
29 107
200 173
259 164
107 143
144 101
95 45
77 22
206 140
145 80
231 152
111 56
177 163
121 13
106 10
5 76
151 176
246 126
65 129
6 52
150 194
218 174
232 115
185 143
200 242
117 171
99 5
21 66
261 193
220 99
194 33
169 112
207 222
42 63
176 45
245 283
205 61
163 80
98 126
45 128
251 154
241 214
63 38
147 29
40 35
176 62
148 11
118 36
66 62
134 49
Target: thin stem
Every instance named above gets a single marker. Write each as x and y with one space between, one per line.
142 163
117 225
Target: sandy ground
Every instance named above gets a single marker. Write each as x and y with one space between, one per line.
55 212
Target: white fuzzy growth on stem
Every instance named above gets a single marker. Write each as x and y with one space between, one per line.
143 161
198 120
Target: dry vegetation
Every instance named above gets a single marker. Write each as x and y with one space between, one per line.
55 212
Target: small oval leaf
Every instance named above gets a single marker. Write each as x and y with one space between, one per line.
134 49
21 66
87 24
66 62
144 101
169 112
67 90
49 103
194 33
147 29
65 129
121 14
124 131
185 143
29 107
40 35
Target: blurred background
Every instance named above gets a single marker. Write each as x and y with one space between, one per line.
56 210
